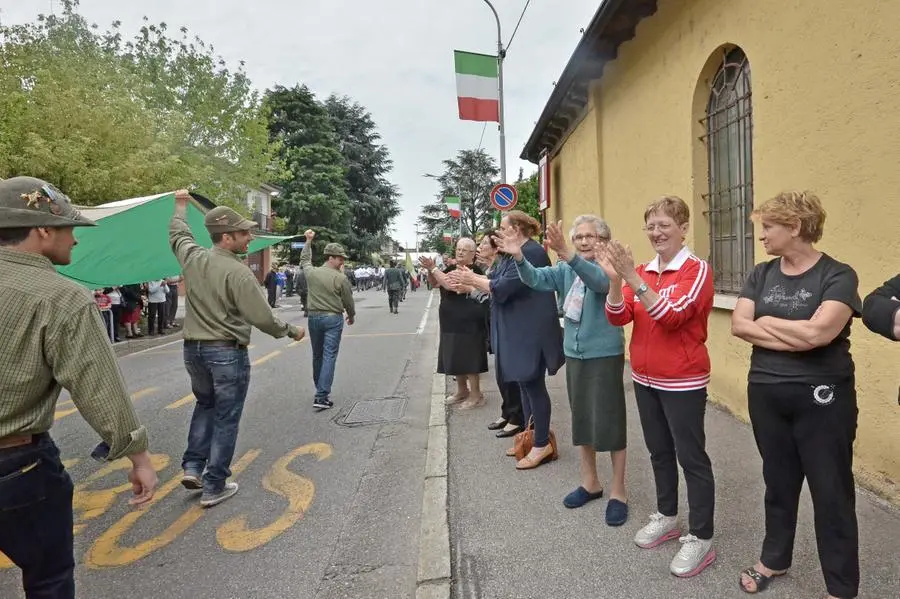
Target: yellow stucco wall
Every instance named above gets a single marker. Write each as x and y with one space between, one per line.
824 88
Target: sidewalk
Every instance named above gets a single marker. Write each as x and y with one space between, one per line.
511 537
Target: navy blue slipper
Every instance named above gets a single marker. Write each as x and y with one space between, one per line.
580 496
616 513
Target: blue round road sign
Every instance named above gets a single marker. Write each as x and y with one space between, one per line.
504 196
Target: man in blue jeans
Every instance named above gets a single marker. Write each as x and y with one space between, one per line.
328 298
223 302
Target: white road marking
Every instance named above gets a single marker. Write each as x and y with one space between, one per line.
424 320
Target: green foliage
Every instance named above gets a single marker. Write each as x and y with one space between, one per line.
528 195
335 177
106 119
470 175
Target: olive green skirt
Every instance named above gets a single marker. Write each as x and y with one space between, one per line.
597 399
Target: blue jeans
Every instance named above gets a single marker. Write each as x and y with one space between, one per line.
325 336
36 518
220 377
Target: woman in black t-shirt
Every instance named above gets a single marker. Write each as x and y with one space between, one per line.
796 310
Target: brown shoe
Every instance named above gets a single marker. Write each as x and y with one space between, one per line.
511 452
527 463
455 399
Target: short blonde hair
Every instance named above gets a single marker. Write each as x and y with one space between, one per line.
793 208
672 206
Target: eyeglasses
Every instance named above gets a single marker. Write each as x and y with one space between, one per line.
662 228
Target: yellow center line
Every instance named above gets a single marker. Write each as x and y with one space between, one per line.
266 358
69 411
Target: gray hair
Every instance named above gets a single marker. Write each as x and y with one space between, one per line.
467 243
600 225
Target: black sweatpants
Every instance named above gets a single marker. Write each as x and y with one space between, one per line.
673 427
156 315
807 431
511 408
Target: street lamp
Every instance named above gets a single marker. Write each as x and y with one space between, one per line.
501 54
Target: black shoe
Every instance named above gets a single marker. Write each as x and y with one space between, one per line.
323 404
509 433
497 425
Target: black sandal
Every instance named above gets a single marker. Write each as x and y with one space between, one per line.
761 580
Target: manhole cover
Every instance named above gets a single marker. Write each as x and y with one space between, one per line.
376 410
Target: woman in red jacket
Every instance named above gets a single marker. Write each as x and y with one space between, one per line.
668 300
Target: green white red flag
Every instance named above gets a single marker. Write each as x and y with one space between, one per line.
448 236
477 86
452 205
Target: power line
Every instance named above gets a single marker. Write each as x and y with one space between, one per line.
512 37
482 135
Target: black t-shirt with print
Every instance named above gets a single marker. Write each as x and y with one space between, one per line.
797 297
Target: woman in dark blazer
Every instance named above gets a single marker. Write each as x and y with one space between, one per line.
525 332
881 310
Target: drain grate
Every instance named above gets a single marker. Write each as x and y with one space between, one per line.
376 410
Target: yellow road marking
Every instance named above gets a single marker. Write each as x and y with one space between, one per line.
184 400
296 343
236 535
106 551
380 335
266 358
92 504
69 411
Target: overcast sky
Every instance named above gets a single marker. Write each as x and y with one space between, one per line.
393 56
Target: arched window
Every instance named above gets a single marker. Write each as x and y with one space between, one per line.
729 137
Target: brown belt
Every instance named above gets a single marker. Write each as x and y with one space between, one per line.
16 441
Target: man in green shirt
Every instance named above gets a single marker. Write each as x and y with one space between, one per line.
52 337
223 302
394 282
329 297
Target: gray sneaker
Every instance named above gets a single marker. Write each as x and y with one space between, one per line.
211 499
693 557
659 530
191 481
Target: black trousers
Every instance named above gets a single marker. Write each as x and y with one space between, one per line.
393 299
156 314
272 293
673 427
807 431
511 408
536 404
172 304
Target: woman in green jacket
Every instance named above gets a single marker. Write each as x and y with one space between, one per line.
595 355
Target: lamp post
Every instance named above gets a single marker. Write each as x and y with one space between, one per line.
501 54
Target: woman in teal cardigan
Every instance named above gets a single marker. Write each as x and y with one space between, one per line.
595 355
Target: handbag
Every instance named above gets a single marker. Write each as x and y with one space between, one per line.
523 442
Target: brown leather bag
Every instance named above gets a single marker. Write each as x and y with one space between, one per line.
524 441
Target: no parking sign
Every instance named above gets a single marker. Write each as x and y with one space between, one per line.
504 196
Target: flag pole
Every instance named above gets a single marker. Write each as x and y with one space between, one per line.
501 54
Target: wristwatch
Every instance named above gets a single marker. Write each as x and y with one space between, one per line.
641 290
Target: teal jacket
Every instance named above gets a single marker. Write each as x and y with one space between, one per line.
593 337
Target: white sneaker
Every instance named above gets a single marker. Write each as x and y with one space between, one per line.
659 530
693 557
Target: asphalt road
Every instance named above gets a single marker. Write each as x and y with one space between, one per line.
326 509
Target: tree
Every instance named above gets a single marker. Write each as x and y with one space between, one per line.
314 176
106 119
372 198
470 175
528 194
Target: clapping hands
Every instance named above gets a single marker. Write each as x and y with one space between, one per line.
510 243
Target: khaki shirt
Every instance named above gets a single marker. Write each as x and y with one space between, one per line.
52 337
223 299
329 290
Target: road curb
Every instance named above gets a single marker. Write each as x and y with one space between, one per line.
433 578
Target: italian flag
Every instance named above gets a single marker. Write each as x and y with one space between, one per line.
477 88
452 205
448 235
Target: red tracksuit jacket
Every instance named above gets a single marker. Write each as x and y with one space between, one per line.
668 341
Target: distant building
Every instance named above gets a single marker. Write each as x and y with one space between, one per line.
259 201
